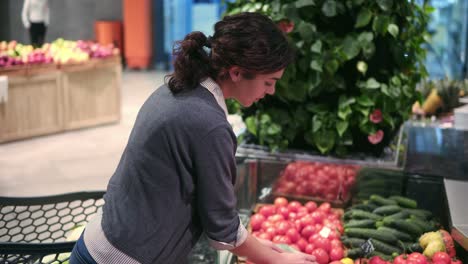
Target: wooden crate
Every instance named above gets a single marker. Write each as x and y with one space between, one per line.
34 106
91 93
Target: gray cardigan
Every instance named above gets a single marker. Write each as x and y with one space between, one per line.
175 179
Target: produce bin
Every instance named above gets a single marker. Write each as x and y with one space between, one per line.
44 229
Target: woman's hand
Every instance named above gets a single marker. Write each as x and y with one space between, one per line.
269 244
295 258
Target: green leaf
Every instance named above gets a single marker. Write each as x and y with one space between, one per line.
364 111
364 100
380 24
316 123
332 66
343 101
324 140
251 125
290 11
368 50
299 44
389 120
317 108
329 8
362 67
358 2
365 38
316 65
363 18
407 91
273 129
343 113
372 84
393 30
304 3
384 89
265 119
385 5
350 47
341 127
316 47
396 81
307 31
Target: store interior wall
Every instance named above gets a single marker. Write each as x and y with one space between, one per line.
69 19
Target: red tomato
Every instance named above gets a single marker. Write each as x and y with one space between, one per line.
300 190
302 210
401 259
282 227
416 258
280 202
284 240
271 231
307 231
276 239
438 262
275 218
284 211
322 242
377 260
293 235
295 247
311 206
336 243
301 243
336 253
266 236
307 220
267 210
298 224
256 221
442 257
266 225
294 206
309 248
318 216
320 255
292 216
336 262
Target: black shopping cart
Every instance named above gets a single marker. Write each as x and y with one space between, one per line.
43 230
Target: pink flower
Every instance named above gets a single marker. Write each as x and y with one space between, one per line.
286 26
376 116
376 138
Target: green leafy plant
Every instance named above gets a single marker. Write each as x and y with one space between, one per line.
354 79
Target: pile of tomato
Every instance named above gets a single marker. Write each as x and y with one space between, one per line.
325 181
312 229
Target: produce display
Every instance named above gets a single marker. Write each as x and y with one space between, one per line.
59 52
308 228
323 181
384 182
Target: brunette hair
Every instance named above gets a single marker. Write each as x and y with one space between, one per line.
248 40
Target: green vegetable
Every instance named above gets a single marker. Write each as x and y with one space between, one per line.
360 214
421 213
387 210
400 215
354 253
353 242
404 202
381 200
404 225
364 207
385 248
399 234
360 223
381 255
413 247
426 226
371 233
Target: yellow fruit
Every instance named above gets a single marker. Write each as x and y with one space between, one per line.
347 261
428 237
433 247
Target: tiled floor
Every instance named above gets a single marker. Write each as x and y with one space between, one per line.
81 160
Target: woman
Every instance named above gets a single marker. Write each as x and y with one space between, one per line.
35 17
176 177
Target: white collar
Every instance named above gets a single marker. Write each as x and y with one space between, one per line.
214 88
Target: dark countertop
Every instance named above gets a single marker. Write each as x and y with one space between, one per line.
457 199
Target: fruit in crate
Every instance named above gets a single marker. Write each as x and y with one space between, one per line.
329 182
309 228
437 241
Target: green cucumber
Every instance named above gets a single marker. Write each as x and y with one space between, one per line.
361 214
371 233
400 215
381 200
404 202
421 213
385 248
413 247
364 207
354 253
353 242
399 234
387 210
425 225
360 223
404 225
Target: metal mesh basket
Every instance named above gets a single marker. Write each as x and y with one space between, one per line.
44 229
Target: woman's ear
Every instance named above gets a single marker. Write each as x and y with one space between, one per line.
235 73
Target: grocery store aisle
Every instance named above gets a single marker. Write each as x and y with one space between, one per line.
80 160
